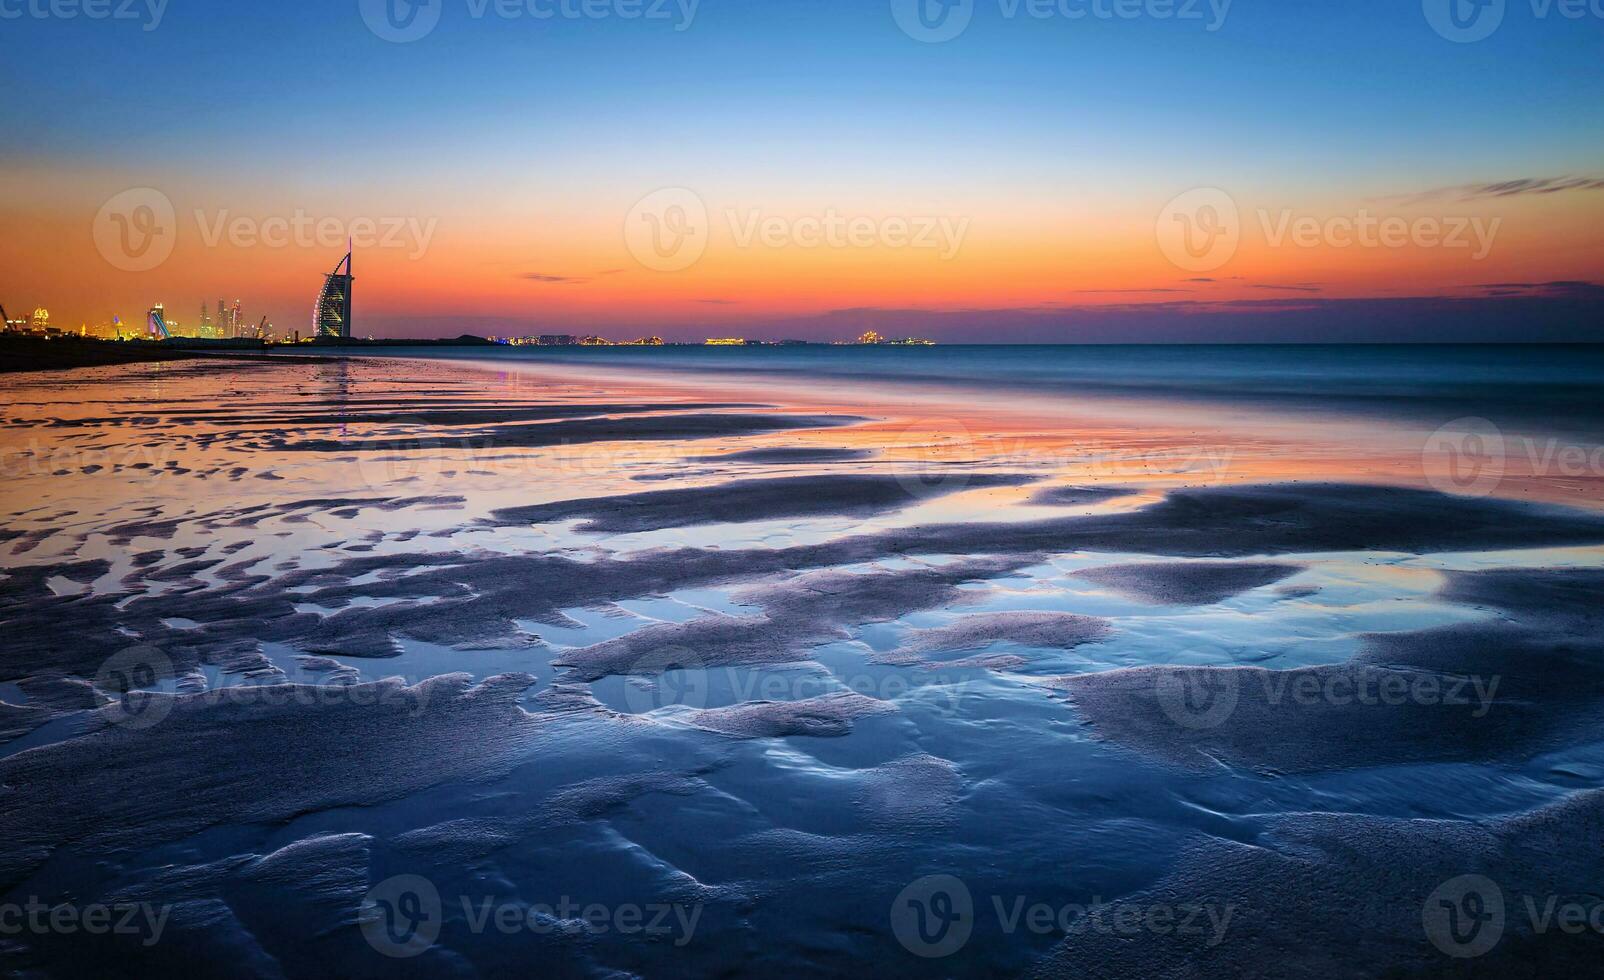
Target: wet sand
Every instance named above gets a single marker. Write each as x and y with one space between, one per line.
773 658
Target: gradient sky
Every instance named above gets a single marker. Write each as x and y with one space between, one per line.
1056 143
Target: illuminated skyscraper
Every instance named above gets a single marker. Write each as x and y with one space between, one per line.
235 321
206 317
332 316
156 323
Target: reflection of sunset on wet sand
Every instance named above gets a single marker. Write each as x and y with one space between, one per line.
719 640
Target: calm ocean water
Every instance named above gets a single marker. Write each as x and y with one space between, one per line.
1554 387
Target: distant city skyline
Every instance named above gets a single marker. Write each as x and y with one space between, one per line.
820 168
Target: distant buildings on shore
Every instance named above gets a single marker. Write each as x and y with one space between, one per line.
868 339
871 338
332 322
151 324
574 340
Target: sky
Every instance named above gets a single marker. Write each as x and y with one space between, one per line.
981 170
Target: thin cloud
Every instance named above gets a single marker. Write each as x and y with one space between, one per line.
553 280
1498 189
1115 291
1559 288
1302 287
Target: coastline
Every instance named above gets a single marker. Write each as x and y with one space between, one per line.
22 354
1331 432
571 621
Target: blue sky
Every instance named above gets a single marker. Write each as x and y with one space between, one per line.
780 101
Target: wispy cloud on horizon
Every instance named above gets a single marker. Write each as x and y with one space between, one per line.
1561 288
554 280
1500 189
1155 289
1300 287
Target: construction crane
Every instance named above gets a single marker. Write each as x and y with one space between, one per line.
5 321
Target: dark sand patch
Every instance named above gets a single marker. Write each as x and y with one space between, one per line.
1078 496
798 614
1322 895
1188 583
448 414
48 697
1053 630
790 454
1499 690
582 802
577 431
269 753
288 913
1283 518
751 500
292 511
22 353
827 716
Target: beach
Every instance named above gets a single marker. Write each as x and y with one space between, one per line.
805 662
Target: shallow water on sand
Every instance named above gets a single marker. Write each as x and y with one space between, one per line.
432 667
